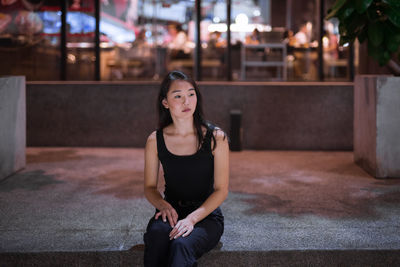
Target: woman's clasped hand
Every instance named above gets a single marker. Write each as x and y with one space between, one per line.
182 228
179 228
168 212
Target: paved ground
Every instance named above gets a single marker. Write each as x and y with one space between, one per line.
91 199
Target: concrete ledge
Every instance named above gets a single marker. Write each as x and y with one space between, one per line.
282 116
213 259
12 125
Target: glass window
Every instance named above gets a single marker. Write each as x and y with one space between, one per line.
258 48
335 57
118 32
213 34
154 37
144 39
81 24
29 33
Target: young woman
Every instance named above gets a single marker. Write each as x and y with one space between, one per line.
195 158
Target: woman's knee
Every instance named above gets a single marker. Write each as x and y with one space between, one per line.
158 228
180 243
182 247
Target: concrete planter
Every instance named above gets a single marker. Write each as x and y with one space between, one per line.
377 125
12 125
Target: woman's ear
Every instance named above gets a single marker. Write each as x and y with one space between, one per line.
165 103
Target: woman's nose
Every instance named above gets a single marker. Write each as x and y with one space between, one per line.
185 100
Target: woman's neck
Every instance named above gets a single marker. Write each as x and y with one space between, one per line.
183 127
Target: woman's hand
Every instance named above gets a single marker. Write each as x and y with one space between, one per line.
168 212
182 228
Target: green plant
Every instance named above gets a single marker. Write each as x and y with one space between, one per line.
376 21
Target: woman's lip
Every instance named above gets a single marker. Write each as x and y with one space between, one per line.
186 110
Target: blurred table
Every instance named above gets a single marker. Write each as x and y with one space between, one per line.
267 59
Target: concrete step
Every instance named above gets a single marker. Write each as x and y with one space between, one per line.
214 258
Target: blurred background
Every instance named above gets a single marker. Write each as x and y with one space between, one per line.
143 39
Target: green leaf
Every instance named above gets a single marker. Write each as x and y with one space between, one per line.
392 37
348 11
362 5
375 33
393 42
374 21
385 57
363 35
374 51
393 15
374 12
354 24
335 8
393 28
378 54
395 3
392 47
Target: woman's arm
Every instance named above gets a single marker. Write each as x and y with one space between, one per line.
221 182
151 167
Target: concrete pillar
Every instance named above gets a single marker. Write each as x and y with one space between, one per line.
12 125
377 124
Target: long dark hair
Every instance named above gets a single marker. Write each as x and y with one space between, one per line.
164 115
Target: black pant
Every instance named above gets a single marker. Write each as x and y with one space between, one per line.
183 251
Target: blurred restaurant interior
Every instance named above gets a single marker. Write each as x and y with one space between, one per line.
129 40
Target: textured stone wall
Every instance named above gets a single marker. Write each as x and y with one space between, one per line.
290 116
388 127
12 125
377 125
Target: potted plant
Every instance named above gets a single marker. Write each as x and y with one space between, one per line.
376 97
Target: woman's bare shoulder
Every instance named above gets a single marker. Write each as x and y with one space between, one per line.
152 138
219 134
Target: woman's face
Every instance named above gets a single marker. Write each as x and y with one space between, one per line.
181 99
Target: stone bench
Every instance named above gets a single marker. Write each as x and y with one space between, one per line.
12 125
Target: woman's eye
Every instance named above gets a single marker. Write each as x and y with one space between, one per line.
192 94
177 96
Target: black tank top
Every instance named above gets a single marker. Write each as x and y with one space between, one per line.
187 177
